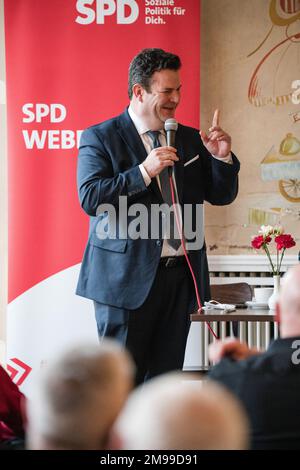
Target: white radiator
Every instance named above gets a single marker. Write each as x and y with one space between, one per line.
226 269
255 334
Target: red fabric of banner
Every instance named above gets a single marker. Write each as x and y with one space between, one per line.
67 65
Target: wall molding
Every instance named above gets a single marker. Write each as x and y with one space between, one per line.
247 263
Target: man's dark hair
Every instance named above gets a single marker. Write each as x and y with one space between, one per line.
146 63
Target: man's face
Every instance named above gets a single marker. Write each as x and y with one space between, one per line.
160 103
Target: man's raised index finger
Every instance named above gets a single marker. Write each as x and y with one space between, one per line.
215 121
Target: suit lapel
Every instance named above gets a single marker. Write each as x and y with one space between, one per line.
130 135
179 166
155 188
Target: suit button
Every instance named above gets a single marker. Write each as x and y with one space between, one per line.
158 243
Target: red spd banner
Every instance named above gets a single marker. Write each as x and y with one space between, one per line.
67 63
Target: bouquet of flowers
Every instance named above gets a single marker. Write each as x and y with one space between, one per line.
282 240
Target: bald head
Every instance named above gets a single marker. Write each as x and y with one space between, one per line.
78 396
169 413
288 307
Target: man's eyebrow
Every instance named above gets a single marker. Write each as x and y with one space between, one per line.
171 89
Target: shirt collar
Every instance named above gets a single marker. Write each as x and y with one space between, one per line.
139 123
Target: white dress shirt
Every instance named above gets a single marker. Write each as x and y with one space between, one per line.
142 129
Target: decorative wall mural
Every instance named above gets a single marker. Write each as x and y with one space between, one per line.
256 82
295 116
285 167
269 83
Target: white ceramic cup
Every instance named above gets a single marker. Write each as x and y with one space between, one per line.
262 294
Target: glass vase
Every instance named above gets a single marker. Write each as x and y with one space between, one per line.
274 297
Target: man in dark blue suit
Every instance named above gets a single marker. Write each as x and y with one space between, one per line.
132 269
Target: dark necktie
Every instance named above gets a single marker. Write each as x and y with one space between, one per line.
166 193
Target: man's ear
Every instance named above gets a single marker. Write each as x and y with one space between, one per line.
138 92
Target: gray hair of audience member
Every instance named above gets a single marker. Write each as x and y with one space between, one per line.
171 412
288 306
78 396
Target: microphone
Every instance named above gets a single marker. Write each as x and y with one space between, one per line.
171 126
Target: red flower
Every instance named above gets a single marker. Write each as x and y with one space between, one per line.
284 241
259 241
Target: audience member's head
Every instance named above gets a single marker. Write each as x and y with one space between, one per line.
170 412
288 307
78 397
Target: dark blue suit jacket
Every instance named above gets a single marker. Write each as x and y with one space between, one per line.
118 271
268 386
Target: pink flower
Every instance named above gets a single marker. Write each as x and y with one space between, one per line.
259 241
284 241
